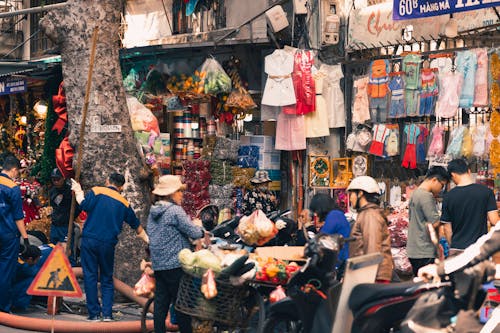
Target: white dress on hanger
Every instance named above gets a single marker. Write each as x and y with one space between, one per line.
279 89
317 122
333 95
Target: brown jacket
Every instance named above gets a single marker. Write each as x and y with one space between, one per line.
372 235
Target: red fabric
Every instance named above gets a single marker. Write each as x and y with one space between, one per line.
410 157
59 102
377 148
64 158
303 84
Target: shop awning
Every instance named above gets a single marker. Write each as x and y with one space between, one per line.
16 68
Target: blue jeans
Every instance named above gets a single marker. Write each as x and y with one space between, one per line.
98 259
58 234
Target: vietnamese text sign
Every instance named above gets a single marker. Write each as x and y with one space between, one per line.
410 9
12 86
373 25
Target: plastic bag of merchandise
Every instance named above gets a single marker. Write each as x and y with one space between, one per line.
241 99
215 79
141 117
256 229
401 262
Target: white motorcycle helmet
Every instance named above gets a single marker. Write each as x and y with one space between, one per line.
364 183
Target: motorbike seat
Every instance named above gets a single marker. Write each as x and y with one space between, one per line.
367 293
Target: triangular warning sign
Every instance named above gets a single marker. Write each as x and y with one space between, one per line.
56 277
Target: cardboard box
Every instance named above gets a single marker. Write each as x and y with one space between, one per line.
293 253
265 142
275 185
269 128
270 161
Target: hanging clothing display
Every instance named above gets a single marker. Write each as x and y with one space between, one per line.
290 132
481 78
316 122
380 133
442 64
436 148
454 148
428 92
360 108
279 90
421 140
397 101
449 96
411 67
480 136
467 144
410 157
466 63
333 95
378 89
391 145
303 83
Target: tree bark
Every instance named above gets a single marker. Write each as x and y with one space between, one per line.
71 28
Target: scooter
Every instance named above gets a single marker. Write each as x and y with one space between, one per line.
307 288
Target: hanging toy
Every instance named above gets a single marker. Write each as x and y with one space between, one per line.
19 136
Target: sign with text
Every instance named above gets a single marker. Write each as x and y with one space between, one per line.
411 9
372 25
12 86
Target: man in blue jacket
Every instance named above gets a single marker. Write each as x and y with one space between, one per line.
107 209
11 227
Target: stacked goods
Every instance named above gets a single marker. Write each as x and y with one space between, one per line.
221 171
242 176
197 178
220 195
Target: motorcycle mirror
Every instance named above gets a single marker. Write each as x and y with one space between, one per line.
310 234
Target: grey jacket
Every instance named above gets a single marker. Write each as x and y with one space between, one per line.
169 229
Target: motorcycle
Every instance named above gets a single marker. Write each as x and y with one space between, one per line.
307 288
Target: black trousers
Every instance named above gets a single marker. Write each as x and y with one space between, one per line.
420 262
167 285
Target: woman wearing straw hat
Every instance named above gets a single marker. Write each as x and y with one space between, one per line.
260 197
169 229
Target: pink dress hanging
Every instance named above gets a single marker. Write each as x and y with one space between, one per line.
303 83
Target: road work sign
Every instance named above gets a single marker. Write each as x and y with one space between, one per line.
56 278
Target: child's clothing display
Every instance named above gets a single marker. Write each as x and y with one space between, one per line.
436 148
454 148
421 140
481 79
290 132
317 122
466 62
380 133
360 109
303 83
391 145
442 64
278 90
397 101
378 89
411 67
466 144
410 156
333 95
428 92
449 95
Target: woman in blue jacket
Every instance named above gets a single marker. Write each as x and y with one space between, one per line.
169 229
331 220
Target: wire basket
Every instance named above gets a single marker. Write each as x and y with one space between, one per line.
227 308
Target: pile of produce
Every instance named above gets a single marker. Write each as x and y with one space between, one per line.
275 271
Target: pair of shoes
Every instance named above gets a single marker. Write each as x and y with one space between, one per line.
93 319
108 319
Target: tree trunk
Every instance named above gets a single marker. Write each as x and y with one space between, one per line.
71 28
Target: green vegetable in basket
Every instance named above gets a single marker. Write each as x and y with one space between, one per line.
234 267
187 258
206 259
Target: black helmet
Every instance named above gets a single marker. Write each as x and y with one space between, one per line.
56 173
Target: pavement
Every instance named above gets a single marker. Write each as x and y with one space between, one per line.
75 310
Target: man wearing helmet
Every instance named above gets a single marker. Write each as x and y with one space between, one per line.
370 229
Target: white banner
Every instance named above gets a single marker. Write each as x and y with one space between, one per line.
373 25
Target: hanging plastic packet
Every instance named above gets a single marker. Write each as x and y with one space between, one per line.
215 79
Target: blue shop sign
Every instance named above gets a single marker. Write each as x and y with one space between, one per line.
12 86
413 9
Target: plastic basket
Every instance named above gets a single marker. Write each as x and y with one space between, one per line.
228 307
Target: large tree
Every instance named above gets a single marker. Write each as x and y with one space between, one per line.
71 28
